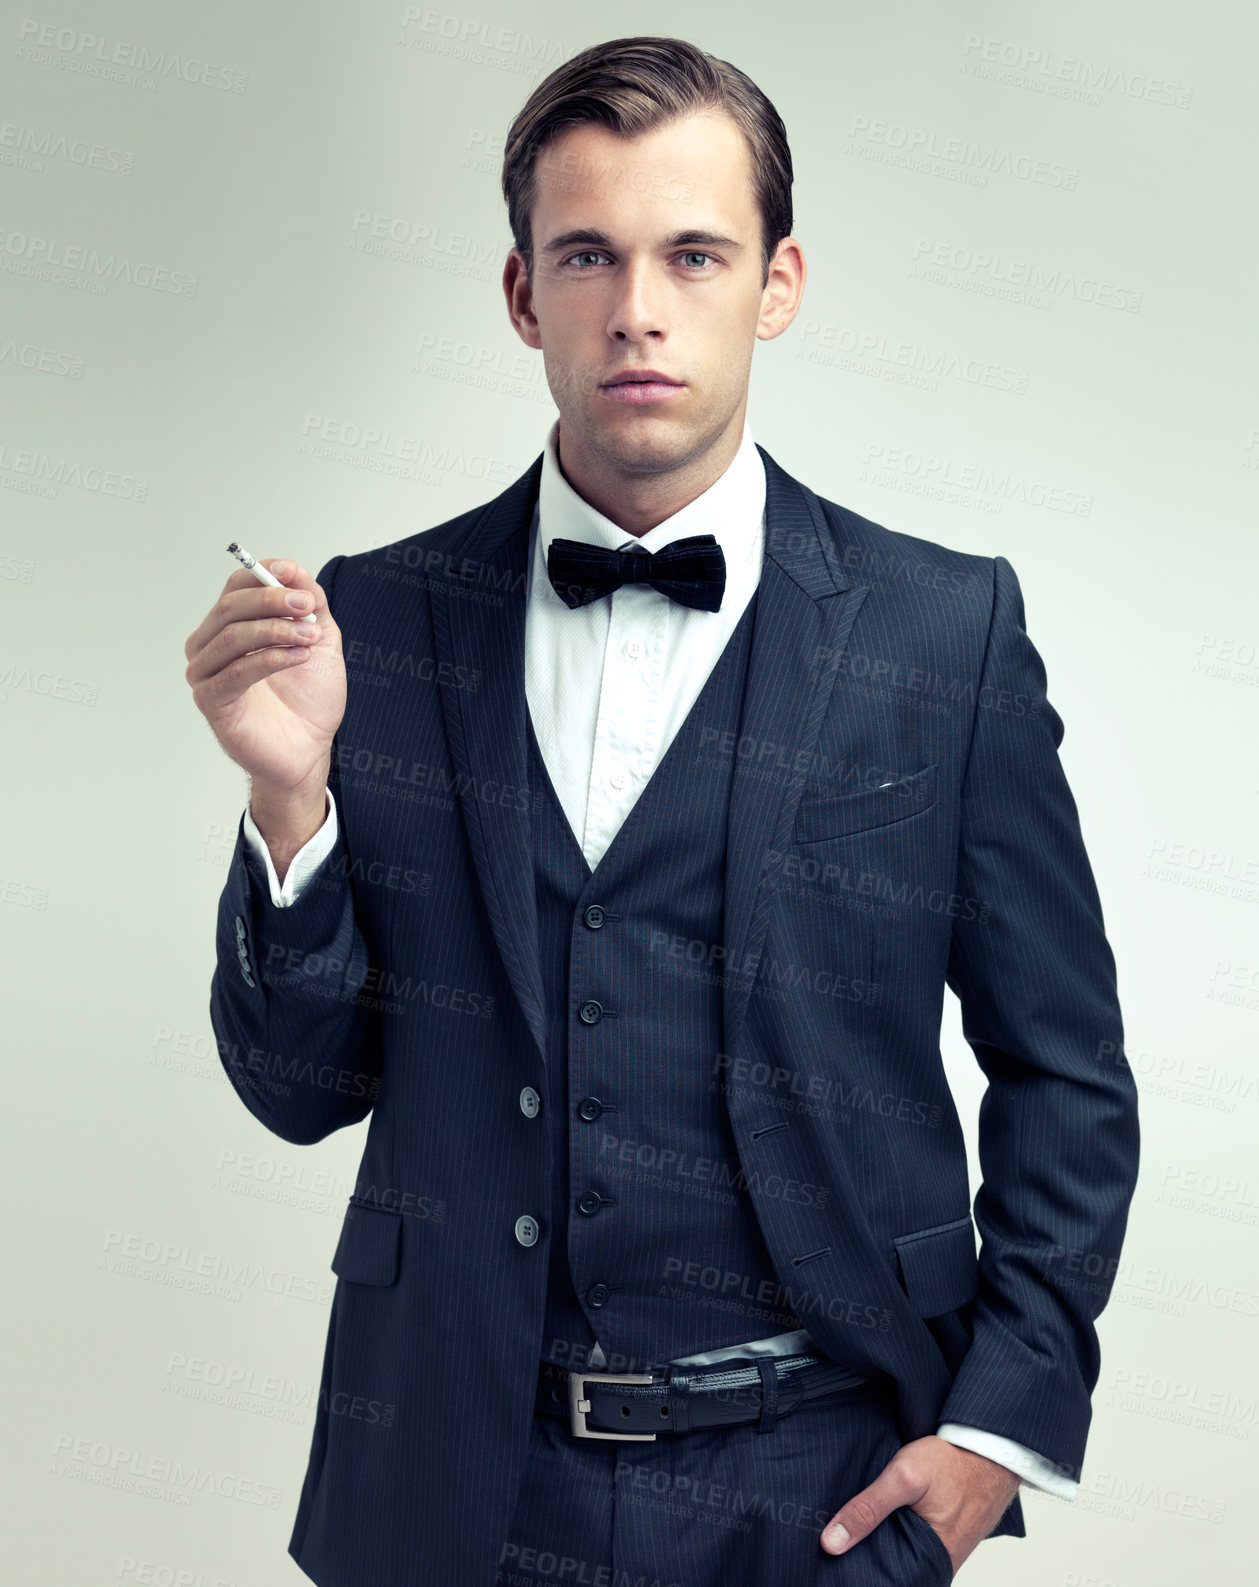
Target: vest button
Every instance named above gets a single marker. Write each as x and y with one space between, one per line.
593 916
598 1294
590 1012
589 1108
589 1201
530 1102
527 1229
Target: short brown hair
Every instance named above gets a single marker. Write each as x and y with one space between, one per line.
630 86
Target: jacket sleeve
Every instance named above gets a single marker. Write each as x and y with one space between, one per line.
1058 1132
303 864
298 1030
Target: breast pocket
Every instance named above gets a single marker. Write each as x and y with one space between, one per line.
825 815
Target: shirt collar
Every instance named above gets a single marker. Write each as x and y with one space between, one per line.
731 510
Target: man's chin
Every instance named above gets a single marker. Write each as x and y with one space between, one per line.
645 446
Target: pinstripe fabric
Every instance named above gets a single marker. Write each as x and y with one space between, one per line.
659 1153
897 815
721 1508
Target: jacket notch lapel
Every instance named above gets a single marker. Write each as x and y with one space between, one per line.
478 606
805 608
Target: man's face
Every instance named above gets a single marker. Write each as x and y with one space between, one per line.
647 255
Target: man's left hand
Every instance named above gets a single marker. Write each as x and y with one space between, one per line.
961 1494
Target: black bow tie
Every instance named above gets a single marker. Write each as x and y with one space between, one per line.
690 571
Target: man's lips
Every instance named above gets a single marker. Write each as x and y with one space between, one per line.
642 387
642 380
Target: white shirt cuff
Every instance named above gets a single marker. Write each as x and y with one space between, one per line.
1024 1462
304 863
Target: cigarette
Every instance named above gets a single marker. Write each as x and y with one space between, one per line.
263 575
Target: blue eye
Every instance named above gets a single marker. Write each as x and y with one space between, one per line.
596 253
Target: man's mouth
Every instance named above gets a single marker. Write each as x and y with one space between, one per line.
645 386
643 377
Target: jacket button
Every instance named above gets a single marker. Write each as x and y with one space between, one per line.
593 915
590 1012
527 1229
589 1201
598 1294
242 953
530 1102
589 1108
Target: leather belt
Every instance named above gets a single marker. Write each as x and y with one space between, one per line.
639 1405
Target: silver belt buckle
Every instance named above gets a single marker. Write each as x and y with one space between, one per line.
578 1405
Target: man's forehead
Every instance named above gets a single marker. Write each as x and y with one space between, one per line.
681 130
689 143
674 170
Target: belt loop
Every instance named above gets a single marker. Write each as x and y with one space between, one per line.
769 1394
677 1396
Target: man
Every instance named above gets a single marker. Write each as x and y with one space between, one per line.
622 895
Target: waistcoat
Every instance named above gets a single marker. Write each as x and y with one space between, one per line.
656 1251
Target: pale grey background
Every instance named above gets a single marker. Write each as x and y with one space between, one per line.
143 428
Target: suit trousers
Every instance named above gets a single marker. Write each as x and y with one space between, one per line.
719 1507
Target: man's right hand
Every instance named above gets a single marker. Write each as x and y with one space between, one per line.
272 690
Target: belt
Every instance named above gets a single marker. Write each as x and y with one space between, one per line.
638 1405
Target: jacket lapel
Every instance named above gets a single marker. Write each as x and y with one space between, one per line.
806 606
479 628
805 609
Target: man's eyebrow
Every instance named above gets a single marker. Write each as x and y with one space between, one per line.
591 237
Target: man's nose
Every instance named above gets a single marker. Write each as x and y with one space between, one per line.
637 309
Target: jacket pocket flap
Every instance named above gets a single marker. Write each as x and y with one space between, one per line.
367 1252
832 815
939 1267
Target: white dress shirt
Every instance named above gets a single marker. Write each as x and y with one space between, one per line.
608 686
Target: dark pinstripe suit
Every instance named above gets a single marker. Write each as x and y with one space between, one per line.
420 1002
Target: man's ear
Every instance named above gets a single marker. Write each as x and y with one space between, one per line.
518 292
783 289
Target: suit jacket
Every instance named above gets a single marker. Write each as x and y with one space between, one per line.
898 812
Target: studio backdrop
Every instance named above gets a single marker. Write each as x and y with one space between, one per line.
250 259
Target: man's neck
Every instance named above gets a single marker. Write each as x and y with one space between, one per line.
638 502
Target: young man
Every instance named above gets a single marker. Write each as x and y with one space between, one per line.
624 904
